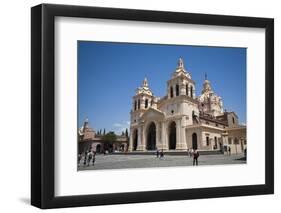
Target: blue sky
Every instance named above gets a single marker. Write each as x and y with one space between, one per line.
109 73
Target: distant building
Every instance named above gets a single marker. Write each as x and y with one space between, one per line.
181 121
89 140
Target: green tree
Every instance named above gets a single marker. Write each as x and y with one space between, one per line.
126 133
104 131
109 139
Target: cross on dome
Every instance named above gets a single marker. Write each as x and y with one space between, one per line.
180 70
180 63
144 89
145 82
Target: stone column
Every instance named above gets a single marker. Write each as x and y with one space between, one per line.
183 135
164 142
181 145
131 141
140 146
188 90
193 95
182 89
142 104
158 142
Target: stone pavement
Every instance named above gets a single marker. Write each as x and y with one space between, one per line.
145 161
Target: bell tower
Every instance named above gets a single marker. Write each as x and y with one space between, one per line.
142 101
181 82
209 102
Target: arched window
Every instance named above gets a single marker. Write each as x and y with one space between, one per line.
177 90
139 104
191 92
186 89
207 141
171 92
229 141
146 103
233 121
216 143
135 105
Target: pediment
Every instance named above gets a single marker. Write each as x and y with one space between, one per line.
152 113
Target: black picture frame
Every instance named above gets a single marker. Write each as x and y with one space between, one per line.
43 105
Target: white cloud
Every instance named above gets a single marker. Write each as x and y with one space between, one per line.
118 128
117 125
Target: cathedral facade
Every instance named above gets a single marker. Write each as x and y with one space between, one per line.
181 121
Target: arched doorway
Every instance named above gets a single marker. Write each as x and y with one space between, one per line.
98 148
172 135
216 143
242 145
194 141
135 140
151 137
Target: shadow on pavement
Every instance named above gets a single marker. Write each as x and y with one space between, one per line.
241 159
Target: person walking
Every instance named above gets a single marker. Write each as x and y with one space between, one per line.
79 158
191 153
157 153
85 158
89 158
94 158
229 150
195 157
161 154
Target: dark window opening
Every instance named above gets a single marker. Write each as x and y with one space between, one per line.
139 104
146 103
191 92
207 141
135 105
177 90
186 89
171 92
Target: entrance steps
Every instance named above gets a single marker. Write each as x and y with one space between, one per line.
169 152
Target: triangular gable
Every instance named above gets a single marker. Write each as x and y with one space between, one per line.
152 113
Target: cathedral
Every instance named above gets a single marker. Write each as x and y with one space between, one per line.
180 120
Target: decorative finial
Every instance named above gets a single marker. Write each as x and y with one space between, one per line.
145 83
180 63
86 124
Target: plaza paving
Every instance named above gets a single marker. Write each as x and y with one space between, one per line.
145 161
